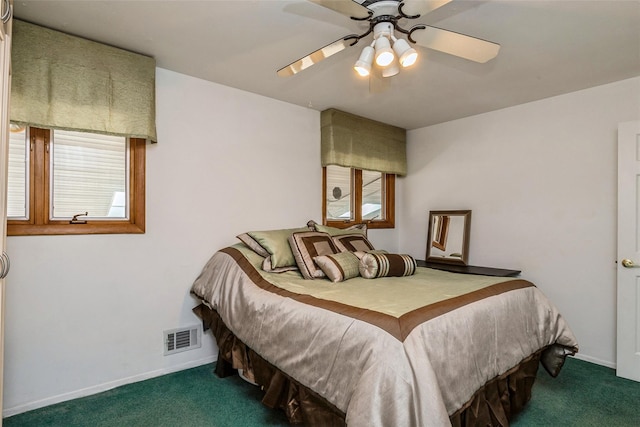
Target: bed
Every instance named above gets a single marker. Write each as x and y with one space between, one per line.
430 348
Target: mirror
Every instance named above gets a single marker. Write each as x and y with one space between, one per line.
448 238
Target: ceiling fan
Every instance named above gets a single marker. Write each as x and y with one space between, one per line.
389 51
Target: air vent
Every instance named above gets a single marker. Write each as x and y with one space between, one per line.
183 339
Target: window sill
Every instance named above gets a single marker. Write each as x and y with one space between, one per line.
74 229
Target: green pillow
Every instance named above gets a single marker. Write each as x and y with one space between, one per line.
276 243
334 231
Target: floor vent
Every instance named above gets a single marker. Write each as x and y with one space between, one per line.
183 339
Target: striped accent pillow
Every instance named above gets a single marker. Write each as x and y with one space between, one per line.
339 267
373 265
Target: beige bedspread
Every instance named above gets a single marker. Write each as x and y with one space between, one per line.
388 351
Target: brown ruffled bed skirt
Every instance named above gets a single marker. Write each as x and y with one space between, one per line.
493 405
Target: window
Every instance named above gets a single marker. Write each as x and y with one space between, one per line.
66 182
353 196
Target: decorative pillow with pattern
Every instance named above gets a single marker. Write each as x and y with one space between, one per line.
374 265
352 243
307 245
339 267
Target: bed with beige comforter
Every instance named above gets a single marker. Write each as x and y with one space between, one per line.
393 351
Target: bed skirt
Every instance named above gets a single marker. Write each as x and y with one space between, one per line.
493 405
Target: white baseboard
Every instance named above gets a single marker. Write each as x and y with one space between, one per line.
595 360
7 412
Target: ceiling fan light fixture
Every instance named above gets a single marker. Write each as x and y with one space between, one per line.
409 58
391 70
384 53
406 54
385 18
363 64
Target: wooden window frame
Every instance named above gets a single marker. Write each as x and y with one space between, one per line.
39 222
389 197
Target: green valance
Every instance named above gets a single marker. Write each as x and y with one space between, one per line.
353 141
66 82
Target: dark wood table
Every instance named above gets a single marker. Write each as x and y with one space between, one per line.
468 269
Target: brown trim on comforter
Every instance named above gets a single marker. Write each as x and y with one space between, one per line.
398 327
494 404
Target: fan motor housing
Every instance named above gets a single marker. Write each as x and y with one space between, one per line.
383 28
383 7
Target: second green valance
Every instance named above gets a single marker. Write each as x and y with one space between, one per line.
356 142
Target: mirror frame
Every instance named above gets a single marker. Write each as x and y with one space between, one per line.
466 214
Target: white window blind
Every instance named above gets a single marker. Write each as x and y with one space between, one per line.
89 174
18 171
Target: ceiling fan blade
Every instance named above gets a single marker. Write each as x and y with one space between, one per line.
346 7
314 57
421 7
467 47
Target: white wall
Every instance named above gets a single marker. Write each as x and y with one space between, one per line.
541 181
86 313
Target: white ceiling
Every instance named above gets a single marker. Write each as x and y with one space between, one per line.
548 48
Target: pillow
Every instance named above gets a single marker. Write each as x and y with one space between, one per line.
276 244
360 254
266 266
307 245
352 243
386 265
334 231
252 244
339 267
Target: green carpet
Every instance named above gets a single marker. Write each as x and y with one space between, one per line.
584 394
194 397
